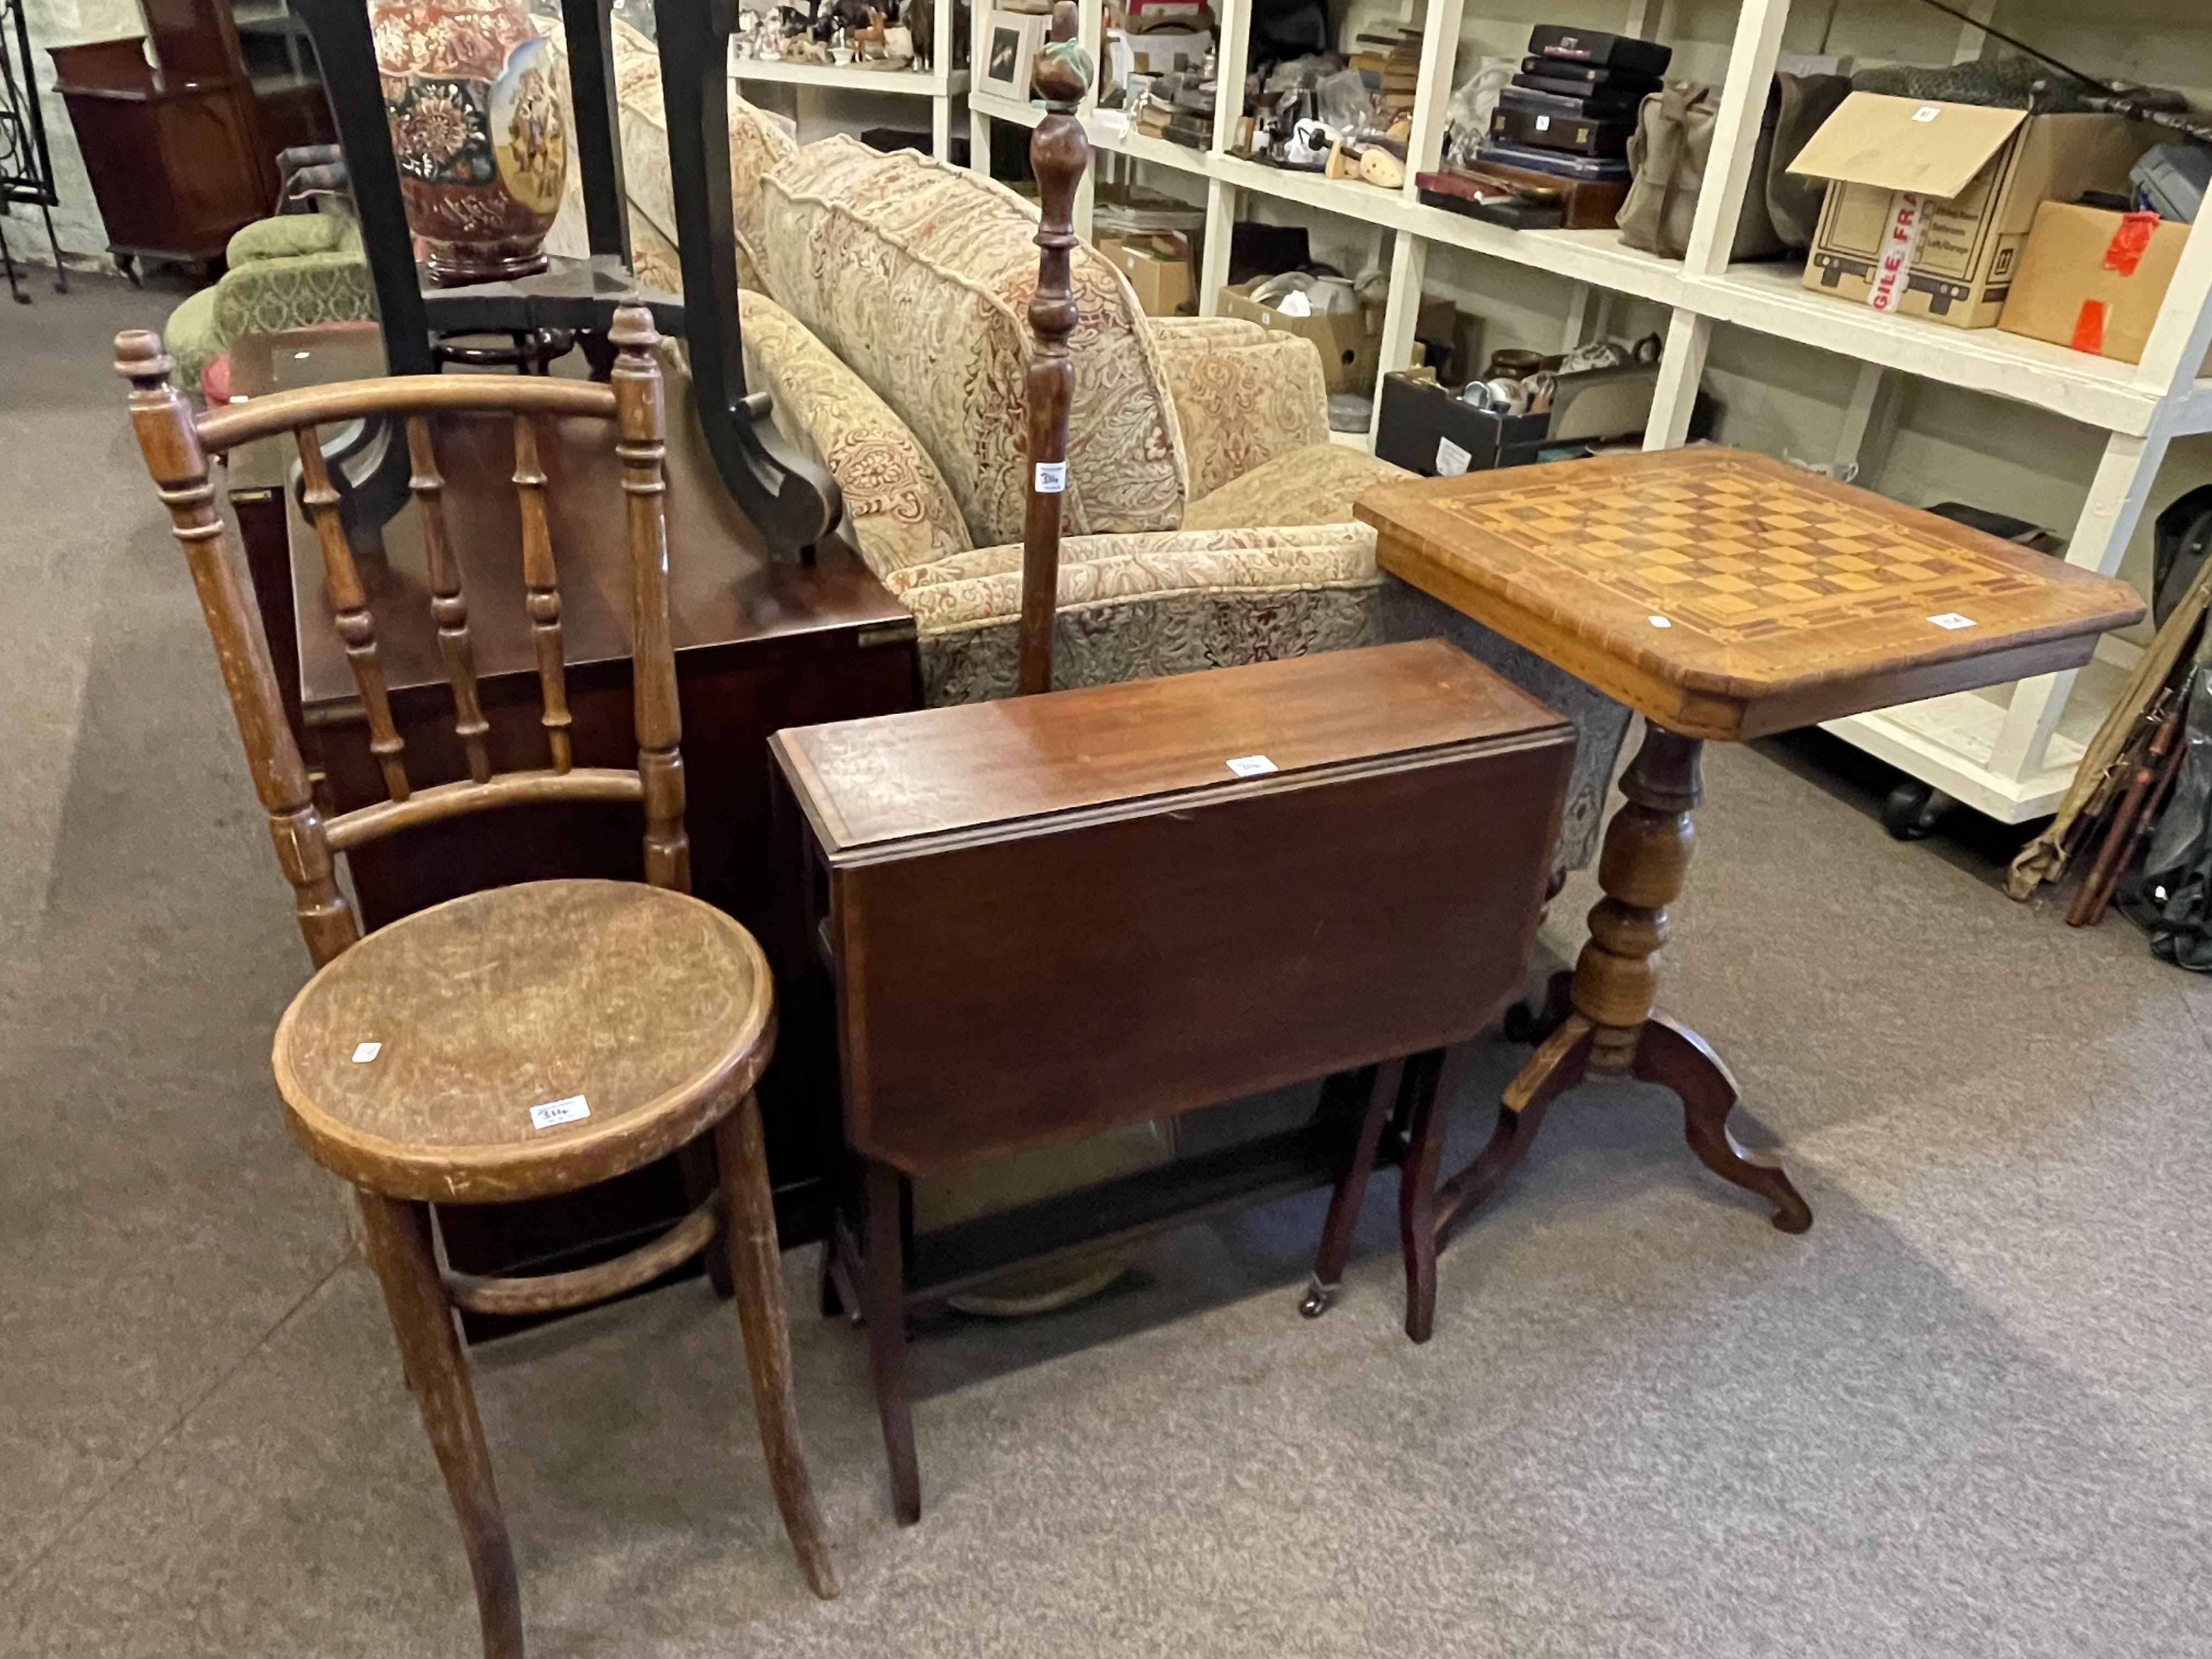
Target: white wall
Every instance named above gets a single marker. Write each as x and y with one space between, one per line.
64 23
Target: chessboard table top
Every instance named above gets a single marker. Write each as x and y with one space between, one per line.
1726 594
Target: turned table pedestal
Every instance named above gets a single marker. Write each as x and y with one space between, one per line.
1723 596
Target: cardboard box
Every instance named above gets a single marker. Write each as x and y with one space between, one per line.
1929 205
1162 51
2094 280
1157 267
1350 342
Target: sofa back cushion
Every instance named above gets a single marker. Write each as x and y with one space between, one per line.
919 276
757 142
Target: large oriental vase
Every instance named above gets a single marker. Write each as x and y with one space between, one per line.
474 106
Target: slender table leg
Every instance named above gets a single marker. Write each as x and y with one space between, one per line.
1417 1191
1351 1187
884 1294
1612 1030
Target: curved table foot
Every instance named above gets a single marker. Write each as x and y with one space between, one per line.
1677 1058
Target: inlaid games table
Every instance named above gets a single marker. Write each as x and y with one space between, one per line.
1721 595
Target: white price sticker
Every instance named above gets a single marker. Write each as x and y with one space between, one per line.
1251 766
1451 459
554 1112
1927 112
1543 123
1051 477
365 1051
1951 619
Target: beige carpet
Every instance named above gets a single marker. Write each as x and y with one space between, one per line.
1967 1416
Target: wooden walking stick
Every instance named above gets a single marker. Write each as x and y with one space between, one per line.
1059 151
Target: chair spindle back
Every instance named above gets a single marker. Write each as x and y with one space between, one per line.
177 444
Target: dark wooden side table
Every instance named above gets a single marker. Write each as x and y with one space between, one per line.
761 643
1049 917
1722 595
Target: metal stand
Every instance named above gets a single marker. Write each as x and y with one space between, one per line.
27 165
794 502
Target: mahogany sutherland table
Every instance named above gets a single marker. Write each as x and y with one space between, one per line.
1723 595
1051 916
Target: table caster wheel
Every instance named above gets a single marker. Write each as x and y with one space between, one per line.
1912 809
1318 1298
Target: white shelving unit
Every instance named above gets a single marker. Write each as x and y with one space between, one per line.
941 85
2004 753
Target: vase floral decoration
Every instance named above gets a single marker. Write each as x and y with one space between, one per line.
471 93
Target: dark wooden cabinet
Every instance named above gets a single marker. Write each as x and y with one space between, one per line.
182 151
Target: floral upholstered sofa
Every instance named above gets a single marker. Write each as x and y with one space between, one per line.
1208 517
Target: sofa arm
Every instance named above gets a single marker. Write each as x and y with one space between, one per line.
1138 605
1243 395
270 295
896 502
287 236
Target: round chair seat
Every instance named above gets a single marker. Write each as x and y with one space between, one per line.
524 1041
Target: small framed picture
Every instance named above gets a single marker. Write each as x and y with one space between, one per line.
1011 39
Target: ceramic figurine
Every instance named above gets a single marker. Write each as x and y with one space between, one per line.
471 91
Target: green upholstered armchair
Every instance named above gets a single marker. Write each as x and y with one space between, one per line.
291 271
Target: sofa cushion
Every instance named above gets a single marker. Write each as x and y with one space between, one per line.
895 501
1136 605
1313 485
919 276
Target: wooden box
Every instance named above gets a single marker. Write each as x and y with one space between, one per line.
1049 916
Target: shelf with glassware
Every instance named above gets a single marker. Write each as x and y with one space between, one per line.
940 77
2009 754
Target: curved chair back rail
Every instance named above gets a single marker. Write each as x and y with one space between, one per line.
176 445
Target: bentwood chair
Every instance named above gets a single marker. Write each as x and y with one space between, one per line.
527 1039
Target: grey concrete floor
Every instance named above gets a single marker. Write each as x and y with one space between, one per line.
1968 1414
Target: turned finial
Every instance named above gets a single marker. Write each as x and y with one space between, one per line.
1064 68
633 329
1059 152
140 359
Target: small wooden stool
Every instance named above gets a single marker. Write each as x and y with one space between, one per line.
1721 595
526 1041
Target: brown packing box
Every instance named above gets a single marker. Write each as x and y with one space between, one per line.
1979 173
2094 280
1350 342
1157 267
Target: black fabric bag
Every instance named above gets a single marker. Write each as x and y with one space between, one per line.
2172 901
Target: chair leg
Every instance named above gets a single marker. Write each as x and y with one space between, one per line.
695 1165
397 1234
756 1270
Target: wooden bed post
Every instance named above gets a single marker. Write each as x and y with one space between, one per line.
1059 151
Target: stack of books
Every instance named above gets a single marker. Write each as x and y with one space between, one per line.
1179 108
1391 66
1571 109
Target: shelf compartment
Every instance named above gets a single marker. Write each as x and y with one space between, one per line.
846 77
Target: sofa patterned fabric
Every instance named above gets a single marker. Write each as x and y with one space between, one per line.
897 504
1134 605
918 274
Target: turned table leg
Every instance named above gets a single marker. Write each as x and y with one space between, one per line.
1610 1028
